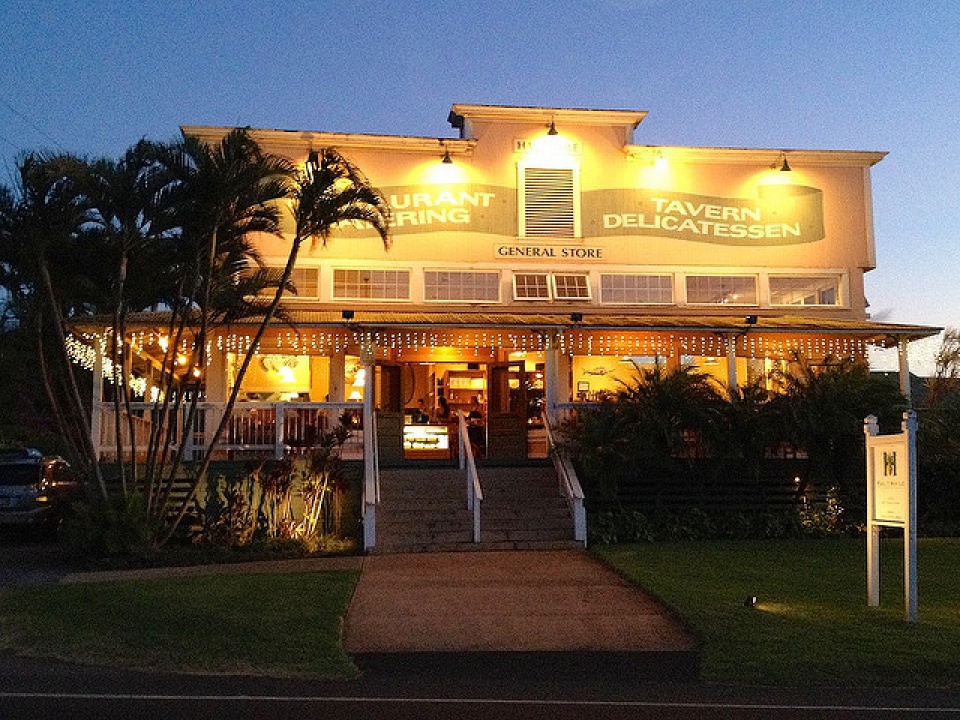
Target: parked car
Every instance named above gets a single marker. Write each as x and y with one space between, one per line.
36 490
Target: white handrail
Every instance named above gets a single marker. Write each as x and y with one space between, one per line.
371 481
468 463
569 483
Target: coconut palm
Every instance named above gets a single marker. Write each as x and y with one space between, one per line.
328 190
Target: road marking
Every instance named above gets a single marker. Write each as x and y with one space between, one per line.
477 701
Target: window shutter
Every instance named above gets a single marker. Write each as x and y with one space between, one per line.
549 202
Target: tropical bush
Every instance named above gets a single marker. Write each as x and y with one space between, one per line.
677 441
295 499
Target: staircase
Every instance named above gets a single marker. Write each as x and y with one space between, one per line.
423 509
523 509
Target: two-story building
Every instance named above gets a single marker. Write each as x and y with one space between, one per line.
537 257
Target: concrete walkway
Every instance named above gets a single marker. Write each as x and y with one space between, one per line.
543 608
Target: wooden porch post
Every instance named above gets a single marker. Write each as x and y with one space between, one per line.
904 358
96 400
337 380
732 363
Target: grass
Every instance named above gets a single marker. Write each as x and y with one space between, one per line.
811 624
275 624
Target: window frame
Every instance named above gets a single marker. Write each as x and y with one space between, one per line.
546 285
373 298
474 301
669 276
839 294
754 302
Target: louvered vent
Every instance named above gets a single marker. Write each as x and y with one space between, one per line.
549 203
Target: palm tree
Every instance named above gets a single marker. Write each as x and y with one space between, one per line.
48 268
327 191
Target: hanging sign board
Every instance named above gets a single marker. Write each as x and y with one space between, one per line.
892 502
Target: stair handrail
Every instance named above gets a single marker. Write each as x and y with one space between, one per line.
469 464
371 480
569 482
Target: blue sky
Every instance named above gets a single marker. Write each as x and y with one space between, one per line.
94 77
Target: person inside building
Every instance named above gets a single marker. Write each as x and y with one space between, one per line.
475 429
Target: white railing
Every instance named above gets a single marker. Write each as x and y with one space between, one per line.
371 484
468 463
569 483
256 429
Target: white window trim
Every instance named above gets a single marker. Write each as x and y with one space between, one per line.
669 303
756 288
842 288
498 273
556 294
337 298
546 275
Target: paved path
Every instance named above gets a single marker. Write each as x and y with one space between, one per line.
548 607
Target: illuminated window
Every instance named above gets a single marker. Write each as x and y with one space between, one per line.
371 284
636 289
531 286
570 286
305 280
461 286
801 290
722 289
549 203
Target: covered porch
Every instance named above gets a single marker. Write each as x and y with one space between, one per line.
418 370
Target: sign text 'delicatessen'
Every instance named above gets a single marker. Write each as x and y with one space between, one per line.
779 215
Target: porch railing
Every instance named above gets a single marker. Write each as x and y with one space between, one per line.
256 429
569 483
468 463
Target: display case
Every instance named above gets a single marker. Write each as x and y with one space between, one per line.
426 441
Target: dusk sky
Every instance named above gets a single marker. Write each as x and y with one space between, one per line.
94 77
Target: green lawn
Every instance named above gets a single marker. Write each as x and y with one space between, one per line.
811 625
283 624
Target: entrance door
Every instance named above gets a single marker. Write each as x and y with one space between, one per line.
506 412
389 403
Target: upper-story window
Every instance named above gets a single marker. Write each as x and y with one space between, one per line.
531 286
549 202
461 286
571 286
804 290
722 289
546 286
371 284
305 281
636 289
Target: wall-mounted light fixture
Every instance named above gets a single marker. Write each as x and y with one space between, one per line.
446 160
553 129
785 167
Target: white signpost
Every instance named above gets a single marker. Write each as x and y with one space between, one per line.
892 502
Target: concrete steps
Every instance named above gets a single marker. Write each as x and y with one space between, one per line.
423 509
522 507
